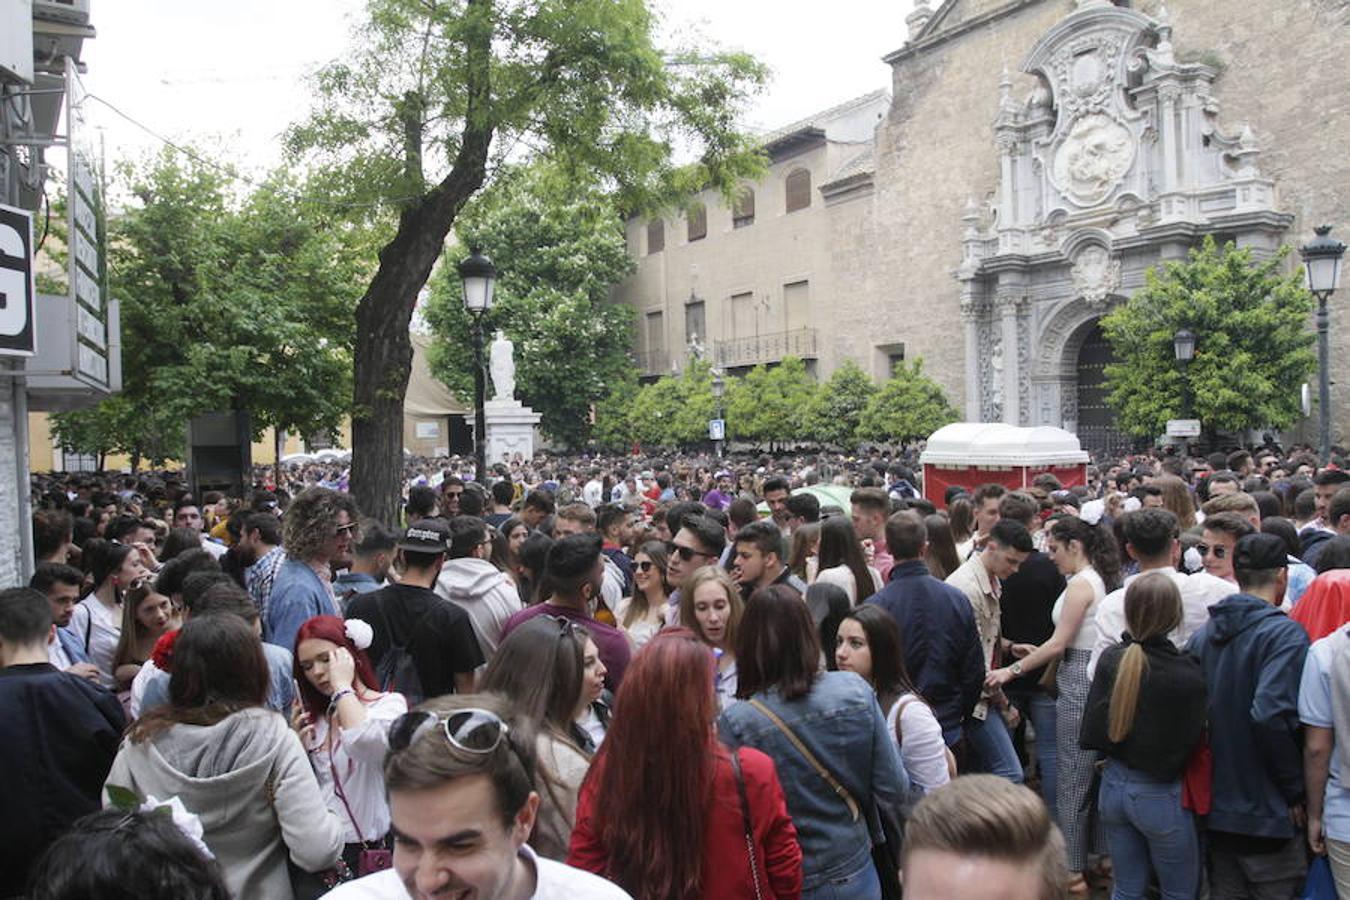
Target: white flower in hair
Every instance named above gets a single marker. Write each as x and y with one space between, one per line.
187 822
359 633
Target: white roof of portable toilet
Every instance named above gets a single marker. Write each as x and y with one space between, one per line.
997 444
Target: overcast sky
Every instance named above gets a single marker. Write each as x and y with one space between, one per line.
230 77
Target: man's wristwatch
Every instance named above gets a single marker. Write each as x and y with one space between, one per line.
1016 668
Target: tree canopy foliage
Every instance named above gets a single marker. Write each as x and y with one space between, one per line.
779 404
558 246
437 94
228 301
909 407
1252 353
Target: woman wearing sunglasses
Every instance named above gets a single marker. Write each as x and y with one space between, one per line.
711 607
343 723
146 617
541 668
642 615
700 823
96 622
238 766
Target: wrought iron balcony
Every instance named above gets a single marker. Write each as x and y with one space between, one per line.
766 348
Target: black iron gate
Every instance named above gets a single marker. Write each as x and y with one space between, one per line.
1096 421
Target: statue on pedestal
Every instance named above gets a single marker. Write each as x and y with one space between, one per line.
502 367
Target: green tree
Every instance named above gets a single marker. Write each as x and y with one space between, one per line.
437 92
673 411
909 407
558 246
765 407
1252 353
615 427
228 302
836 409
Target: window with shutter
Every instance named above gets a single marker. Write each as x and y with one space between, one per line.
798 189
697 219
656 236
743 211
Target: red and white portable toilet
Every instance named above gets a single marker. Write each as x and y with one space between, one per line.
973 453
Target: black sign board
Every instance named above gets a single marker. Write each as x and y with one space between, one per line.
17 337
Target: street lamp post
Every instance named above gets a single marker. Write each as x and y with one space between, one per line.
479 276
1183 344
1322 264
719 388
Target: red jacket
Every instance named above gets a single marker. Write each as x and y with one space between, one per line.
726 864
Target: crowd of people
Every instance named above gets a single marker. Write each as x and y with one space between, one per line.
678 678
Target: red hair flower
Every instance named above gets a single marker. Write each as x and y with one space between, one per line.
162 656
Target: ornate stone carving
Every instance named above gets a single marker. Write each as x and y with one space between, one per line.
1092 159
1024 367
1096 275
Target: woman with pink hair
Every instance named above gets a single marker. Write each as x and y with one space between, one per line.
343 722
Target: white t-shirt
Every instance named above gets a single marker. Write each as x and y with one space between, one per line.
359 758
1198 593
1086 635
922 749
553 881
97 630
138 685
842 576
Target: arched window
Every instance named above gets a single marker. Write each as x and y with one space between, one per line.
697 220
656 236
798 189
743 210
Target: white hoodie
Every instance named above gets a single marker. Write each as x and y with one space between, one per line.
483 591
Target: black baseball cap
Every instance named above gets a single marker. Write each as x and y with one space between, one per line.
426 536
1260 551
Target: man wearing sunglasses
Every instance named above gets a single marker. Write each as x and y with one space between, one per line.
318 531
1221 533
462 781
699 541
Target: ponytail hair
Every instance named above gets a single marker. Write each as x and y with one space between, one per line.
1152 609
1098 543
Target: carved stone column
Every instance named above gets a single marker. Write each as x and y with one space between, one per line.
970 319
1009 307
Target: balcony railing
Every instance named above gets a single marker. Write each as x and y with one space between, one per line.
766 348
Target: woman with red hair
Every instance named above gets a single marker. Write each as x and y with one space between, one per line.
639 799
344 725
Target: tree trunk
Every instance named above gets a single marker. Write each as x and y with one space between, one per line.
383 358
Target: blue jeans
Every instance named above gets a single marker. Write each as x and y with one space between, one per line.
1146 827
991 747
861 885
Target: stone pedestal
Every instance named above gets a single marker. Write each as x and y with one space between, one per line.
510 429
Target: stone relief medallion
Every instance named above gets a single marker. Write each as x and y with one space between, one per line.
1096 276
1093 158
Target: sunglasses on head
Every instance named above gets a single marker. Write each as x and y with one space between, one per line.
472 730
1205 550
565 625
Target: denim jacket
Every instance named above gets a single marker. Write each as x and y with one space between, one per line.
840 722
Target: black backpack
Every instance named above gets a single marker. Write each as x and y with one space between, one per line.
397 670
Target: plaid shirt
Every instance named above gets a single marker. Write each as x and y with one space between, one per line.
258 578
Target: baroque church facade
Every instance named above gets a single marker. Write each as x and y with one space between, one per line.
1035 158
